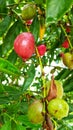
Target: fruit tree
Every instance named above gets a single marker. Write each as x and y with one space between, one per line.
36 64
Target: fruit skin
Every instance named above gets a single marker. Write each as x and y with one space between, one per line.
68 60
58 108
59 87
24 45
35 112
65 44
41 49
68 30
28 12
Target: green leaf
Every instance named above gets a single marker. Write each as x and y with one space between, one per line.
63 74
12 57
55 9
34 28
30 77
4 25
20 127
6 126
3 6
7 67
68 87
8 94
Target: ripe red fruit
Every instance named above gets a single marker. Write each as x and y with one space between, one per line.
61 54
24 45
68 29
65 44
41 49
29 22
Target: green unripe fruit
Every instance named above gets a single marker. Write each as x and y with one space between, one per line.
59 88
28 12
35 112
68 60
58 108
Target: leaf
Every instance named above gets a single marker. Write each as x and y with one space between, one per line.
63 74
35 26
20 127
7 67
55 9
68 87
4 25
6 126
8 94
30 77
3 6
12 57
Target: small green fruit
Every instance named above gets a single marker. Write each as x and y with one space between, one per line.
28 12
35 112
58 108
68 60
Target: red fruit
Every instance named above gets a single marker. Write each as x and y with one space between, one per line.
65 44
24 45
68 29
41 49
61 54
29 22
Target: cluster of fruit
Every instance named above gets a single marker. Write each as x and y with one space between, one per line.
24 46
57 107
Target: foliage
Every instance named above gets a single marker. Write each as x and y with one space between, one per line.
20 82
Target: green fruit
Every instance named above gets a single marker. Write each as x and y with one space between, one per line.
58 86
35 112
28 12
58 108
68 60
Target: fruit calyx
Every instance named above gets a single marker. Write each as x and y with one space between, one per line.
53 90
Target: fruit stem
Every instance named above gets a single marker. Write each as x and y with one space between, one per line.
41 66
11 118
66 35
55 124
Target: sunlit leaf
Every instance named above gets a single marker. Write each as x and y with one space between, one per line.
7 67
55 9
